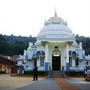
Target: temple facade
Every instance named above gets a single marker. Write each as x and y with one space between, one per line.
55 47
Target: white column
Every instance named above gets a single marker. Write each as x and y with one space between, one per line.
67 58
67 53
46 58
46 53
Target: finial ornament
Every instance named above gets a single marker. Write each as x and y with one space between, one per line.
55 14
45 21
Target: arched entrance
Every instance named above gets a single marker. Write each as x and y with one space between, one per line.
56 60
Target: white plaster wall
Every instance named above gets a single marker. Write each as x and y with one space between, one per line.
73 62
63 57
20 63
50 54
38 62
72 48
30 52
40 68
62 49
81 65
29 64
88 62
41 47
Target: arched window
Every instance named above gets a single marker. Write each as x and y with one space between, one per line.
70 53
73 54
41 56
42 62
38 54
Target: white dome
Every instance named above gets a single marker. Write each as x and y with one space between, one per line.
55 29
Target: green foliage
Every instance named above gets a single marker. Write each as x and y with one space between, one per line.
15 45
85 43
3 45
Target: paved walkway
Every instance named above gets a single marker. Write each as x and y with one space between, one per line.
54 84
82 84
47 84
65 85
51 84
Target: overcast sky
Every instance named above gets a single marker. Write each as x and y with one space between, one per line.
26 17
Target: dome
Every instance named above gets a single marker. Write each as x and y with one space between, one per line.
55 20
55 29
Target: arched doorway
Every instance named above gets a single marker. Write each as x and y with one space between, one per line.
56 60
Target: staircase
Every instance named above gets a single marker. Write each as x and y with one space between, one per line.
57 74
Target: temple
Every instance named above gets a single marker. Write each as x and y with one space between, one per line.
55 47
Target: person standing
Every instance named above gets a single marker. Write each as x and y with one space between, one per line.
35 73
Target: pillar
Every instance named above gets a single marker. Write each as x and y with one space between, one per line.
67 53
46 57
67 57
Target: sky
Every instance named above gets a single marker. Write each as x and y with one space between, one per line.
26 17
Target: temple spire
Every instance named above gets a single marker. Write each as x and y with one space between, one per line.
55 14
45 21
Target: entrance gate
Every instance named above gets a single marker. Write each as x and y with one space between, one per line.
56 60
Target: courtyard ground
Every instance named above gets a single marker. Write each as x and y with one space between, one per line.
8 82
59 84
80 83
25 83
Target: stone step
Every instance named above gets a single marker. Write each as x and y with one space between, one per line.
57 74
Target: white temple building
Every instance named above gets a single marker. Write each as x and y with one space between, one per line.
55 47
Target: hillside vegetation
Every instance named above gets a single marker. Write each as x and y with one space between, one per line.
15 45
